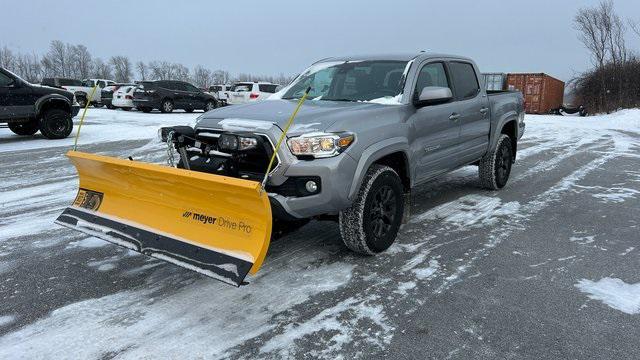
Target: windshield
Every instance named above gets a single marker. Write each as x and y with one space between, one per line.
372 81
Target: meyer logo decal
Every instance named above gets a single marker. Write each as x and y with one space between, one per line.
88 199
205 219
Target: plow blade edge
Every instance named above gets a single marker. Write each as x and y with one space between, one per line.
215 225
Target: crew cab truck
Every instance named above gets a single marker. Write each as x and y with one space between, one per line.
372 129
28 108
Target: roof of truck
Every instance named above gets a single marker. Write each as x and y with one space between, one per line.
392 56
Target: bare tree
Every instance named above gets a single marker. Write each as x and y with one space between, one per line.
29 67
101 70
81 61
142 70
201 77
220 77
7 59
58 58
122 68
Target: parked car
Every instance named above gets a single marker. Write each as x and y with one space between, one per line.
28 108
81 89
123 97
373 128
106 95
244 92
221 92
167 95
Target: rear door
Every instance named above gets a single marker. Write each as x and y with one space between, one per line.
472 106
435 134
178 91
196 97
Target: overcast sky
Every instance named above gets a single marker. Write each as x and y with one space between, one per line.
270 37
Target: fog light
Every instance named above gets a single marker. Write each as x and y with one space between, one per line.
228 142
311 186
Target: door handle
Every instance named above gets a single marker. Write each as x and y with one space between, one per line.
484 110
454 117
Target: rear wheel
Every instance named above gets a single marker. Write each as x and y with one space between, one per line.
126 108
210 106
24 128
56 124
495 167
166 106
372 222
82 101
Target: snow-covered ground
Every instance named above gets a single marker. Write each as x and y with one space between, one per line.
474 274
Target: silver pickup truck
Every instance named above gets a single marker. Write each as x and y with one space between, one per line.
372 129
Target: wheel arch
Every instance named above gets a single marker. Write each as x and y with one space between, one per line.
392 152
52 101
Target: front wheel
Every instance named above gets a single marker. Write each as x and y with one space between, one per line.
82 102
372 222
495 166
24 128
210 106
56 124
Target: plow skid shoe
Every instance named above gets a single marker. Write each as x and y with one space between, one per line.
215 225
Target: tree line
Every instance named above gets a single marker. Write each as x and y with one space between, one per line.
75 61
614 81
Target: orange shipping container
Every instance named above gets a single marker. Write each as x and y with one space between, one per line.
541 92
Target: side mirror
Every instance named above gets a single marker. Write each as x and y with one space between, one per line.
431 95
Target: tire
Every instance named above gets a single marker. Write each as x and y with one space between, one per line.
210 106
372 222
126 108
56 124
166 106
110 107
495 166
145 109
82 102
24 128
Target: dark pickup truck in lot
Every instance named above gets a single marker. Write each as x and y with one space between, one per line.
28 108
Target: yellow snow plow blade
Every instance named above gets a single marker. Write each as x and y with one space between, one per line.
215 225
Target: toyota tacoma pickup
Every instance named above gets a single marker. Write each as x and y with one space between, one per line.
372 128
28 108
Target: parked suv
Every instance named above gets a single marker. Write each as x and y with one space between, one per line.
28 108
168 95
245 92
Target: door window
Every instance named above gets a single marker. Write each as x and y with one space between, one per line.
432 74
191 88
5 80
465 81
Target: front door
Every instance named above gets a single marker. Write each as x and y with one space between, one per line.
15 99
435 129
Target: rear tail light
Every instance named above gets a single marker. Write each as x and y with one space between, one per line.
253 96
129 97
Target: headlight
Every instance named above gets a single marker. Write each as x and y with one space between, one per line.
320 145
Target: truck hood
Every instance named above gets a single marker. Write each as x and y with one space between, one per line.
314 116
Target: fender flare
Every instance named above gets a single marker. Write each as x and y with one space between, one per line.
46 99
374 153
511 115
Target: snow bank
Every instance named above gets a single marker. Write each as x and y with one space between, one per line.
613 292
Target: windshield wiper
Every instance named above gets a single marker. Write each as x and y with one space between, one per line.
339 99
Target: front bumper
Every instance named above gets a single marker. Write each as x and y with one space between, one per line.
336 175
